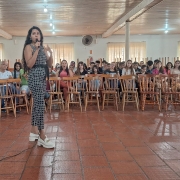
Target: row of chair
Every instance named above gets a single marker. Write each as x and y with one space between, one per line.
104 89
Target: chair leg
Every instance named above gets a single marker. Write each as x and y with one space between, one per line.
158 101
86 101
14 106
50 105
97 102
137 103
26 101
103 101
123 100
68 102
80 102
116 101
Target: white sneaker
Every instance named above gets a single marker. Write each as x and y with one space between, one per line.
33 137
46 143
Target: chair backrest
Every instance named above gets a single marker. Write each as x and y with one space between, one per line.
148 82
93 83
14 86
72 83
110 84
170 83
54 84
128 83
3 87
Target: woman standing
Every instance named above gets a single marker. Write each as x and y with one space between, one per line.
176 69
36 62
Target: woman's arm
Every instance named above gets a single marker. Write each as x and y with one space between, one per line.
29 58
71 73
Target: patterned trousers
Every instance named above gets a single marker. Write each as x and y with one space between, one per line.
37 85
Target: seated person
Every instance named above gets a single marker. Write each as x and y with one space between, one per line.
149 67
24 83
135 66
81 71
98 65
16 72
112 70
90 68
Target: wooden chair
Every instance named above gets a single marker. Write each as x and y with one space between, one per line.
81 86
170 89
15 91
55 93
6 97
73 93
93 85
150 91
110 91
129 90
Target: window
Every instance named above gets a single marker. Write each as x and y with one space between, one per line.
116 51
62 51
1 52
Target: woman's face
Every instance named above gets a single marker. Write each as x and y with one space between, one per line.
141 63
129 63
159 65
81 66
135 66
35 34
112 66
144 70
95 69
17 67
177 64
64 64
169 66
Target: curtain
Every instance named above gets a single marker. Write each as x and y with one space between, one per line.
116 51
178 50
62 51
1 52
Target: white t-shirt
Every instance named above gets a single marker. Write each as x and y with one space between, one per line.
5 75
127 72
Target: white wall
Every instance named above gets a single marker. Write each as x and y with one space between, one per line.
157 46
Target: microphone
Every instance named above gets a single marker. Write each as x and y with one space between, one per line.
38 41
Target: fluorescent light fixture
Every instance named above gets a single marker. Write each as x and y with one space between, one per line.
53 32
166 31
51 24
45 9
50 16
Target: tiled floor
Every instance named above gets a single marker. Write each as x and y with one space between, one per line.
94 146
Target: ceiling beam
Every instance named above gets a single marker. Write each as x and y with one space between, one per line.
131 15
5 35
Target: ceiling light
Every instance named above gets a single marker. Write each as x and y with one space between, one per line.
166 31
45 9
50 24
53 32
53 26
50 16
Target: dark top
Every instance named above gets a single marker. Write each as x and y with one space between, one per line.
82 73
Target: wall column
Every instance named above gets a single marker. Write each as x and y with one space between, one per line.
127 44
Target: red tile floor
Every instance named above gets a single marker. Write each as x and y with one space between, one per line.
92 145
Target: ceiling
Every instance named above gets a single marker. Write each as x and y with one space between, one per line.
164 16
81 17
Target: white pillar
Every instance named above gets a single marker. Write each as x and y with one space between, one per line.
127 47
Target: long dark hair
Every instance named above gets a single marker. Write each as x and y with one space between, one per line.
131 68
29 41
61 68
167 65
95 66
78 69
15 68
